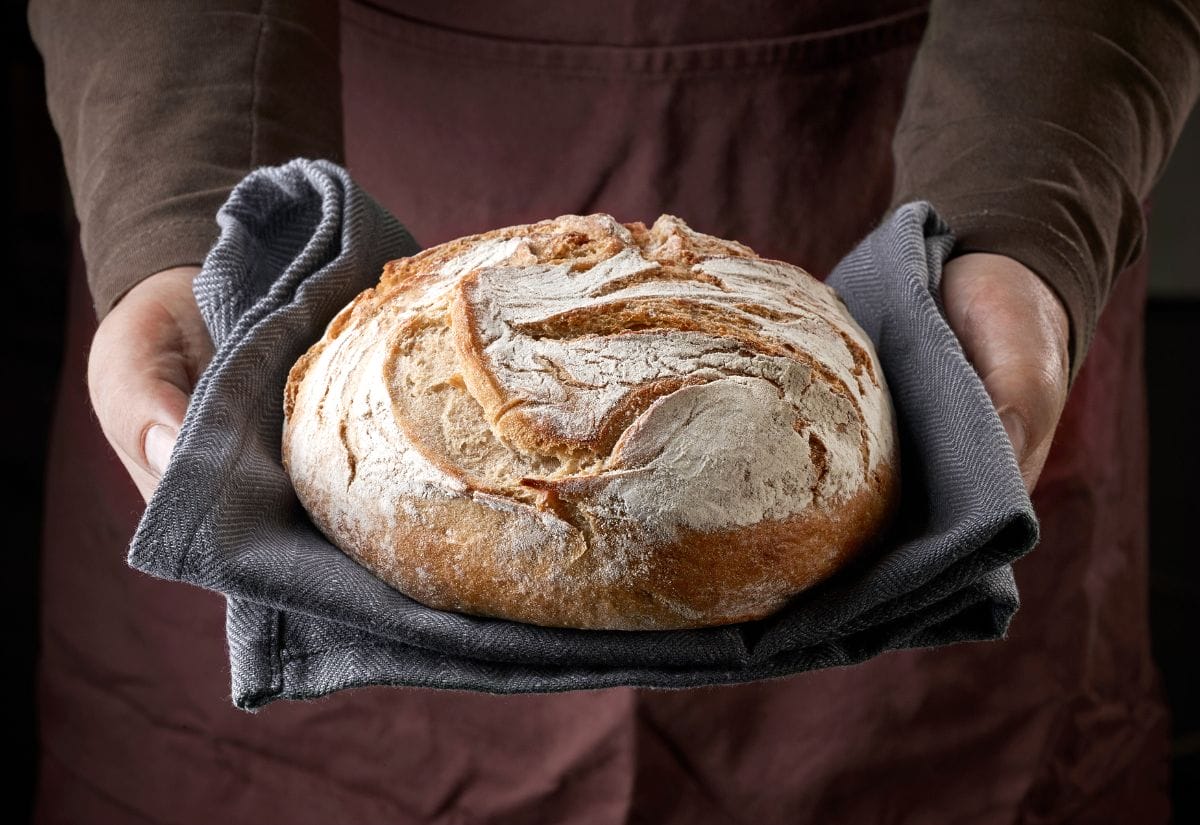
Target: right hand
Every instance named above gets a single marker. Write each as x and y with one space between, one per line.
145 359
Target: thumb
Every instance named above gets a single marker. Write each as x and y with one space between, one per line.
1014 330
144 362
1027 399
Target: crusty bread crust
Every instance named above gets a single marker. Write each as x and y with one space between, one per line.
582 423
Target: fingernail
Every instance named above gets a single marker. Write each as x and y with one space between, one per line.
160 440
1016 433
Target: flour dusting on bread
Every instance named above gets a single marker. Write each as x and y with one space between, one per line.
543 421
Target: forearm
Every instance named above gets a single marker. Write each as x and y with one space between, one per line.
1037 128
163 107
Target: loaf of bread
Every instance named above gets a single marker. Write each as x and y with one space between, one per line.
582 423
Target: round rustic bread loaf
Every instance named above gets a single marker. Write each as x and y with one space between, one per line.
583 423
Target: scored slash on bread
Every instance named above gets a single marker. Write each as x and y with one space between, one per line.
591 424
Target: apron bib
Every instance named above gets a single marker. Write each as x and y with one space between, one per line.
771 126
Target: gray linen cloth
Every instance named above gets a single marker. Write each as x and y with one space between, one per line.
299 241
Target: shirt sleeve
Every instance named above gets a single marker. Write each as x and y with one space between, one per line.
163 107
1037 128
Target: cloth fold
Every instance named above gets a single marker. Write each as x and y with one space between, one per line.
299 241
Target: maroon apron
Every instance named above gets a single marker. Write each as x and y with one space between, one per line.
770 123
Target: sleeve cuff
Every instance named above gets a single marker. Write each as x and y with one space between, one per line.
181 242
1036 193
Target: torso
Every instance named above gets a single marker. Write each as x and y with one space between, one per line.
769 123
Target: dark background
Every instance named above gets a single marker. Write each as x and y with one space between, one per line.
1172 340
40 233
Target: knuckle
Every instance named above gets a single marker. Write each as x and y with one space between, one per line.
1047 380
1041 399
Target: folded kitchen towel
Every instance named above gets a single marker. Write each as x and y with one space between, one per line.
299 241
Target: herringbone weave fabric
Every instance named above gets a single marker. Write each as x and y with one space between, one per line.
299 241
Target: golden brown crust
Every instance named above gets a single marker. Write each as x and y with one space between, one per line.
698 580
580 423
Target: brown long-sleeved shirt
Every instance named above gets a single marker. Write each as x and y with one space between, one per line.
1035 127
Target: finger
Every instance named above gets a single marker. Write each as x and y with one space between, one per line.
144 361
1014 331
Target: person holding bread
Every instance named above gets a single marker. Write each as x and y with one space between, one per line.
1036 130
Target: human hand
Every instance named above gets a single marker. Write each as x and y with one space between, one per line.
1015 332
145 359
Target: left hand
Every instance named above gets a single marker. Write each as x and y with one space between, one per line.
1015 332
144 362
